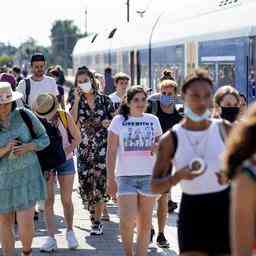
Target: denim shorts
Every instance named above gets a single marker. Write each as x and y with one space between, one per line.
68 168
134 185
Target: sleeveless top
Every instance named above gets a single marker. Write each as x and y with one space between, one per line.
209 146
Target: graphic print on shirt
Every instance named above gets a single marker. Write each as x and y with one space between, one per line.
138 137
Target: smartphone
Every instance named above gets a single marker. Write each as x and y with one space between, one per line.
18 142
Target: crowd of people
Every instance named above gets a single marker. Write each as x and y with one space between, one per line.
130 147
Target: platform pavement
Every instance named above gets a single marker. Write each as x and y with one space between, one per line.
107 245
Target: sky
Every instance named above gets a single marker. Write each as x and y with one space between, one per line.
34 18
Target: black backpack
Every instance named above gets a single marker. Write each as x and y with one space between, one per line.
53 155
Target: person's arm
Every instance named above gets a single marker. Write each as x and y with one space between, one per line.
243 212
75 133
113 141
8 148
75 107
38 143
161 182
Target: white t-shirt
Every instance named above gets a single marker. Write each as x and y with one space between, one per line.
116 100
136 137
46 85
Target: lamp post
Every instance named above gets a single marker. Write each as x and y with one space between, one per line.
128 10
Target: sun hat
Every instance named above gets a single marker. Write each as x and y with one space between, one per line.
7 95
46 105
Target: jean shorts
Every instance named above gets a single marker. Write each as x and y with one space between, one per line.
68 168
134 185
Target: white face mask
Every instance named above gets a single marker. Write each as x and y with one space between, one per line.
85 87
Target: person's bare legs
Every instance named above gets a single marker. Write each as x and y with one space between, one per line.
66 187
99 207
25 221
49 207
162 212
128 209
6 233
145 209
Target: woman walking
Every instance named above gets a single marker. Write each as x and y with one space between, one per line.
132 143
21 180
47 108
194 147
92 112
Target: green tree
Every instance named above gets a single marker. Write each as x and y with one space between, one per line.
6 60
64 35
26 49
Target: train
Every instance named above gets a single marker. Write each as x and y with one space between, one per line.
220 38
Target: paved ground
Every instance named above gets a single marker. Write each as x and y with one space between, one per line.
107 245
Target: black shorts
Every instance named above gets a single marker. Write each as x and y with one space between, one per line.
203 223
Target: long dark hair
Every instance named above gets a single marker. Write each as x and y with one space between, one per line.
241 144
124 109
85 71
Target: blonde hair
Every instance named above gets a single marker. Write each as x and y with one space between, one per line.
168 83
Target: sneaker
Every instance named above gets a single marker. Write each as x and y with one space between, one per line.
40 206
172 206
161 241
97 229
71 239
49 245
152 234
36 216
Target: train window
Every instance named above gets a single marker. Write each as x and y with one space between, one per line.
211 70
226 74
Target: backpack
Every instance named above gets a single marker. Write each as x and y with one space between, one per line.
53 155
27 92
64 120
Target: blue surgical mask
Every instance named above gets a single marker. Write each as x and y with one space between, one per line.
167 100
195 117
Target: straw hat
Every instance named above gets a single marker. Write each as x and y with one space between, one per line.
7 95
46 106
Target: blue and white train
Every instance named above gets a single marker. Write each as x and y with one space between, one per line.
220 38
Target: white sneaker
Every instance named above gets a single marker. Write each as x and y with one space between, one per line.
49 245
71 240
40 206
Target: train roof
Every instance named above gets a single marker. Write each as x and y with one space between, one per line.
83 44
220 24
211 21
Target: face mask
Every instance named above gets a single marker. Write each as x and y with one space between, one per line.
229 113
85 87
195 117
167 100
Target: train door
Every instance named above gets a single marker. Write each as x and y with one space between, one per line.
132 69
251 71
138 67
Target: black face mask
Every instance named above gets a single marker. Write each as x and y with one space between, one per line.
230 113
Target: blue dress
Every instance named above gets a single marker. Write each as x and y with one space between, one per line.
21 180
